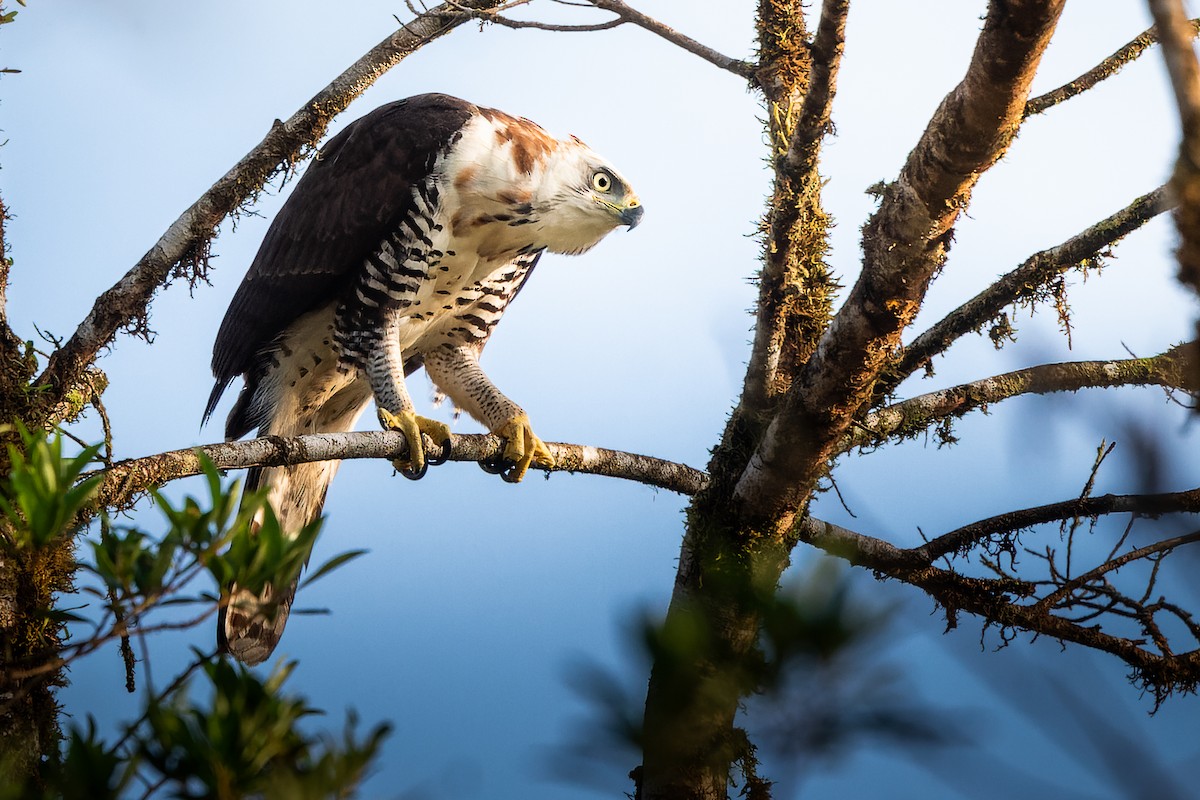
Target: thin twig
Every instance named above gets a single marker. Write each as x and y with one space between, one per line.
904 244
1102 71
1113 564
1102 452
739 68
495 17
1176 368
1149 505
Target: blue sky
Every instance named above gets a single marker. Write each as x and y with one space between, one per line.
460 623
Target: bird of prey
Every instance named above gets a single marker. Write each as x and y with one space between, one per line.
400 247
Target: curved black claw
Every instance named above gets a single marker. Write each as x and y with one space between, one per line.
414 475
508 475
442 458
497 466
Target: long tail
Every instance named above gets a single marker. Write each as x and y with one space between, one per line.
249 626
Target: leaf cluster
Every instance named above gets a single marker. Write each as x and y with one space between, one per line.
245 740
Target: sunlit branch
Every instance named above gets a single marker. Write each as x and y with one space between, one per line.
128 479
827 48
1149 505
793 291
182 250
1176 369
1026 283
904 245
1102 71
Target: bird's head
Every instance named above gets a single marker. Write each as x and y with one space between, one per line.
582 198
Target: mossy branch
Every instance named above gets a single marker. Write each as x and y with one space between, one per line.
1175 369
795 286
904 245
1101 72
1026 283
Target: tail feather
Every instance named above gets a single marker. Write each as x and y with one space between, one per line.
250 625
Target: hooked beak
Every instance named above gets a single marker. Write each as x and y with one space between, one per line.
632 214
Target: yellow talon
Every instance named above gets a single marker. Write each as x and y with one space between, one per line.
522 448
412 426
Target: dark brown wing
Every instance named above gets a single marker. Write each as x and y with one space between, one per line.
352 196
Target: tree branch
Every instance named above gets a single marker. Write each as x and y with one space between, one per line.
628 14
1025 283
127 479
996 600
1102 71
794 286
827 48
1113 564
1176 368
493 15
182 250
963 539
904 244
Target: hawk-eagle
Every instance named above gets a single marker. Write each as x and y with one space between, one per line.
401 246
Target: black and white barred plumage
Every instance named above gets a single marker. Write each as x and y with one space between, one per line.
401 247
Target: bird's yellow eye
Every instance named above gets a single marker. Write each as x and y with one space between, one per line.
602 182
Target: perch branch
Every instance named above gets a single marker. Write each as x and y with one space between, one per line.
182 248
127 479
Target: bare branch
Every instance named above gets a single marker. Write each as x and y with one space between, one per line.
1176 368
494 16
127 479
1113 564
1102 71
1149 505
904 244
182 249
998 602
1025 283
739 68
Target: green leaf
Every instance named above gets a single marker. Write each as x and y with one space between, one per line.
332 564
